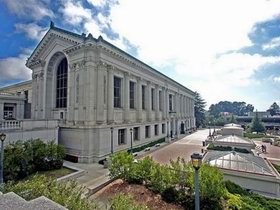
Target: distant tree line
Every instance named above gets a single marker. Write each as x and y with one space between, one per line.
235 108
274 109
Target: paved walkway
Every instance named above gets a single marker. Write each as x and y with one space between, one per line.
271 150
183 148
95 174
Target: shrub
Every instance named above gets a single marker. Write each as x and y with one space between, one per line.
170 195
68 194
161 178
31 156
151 144
145 167
211 182
233 201
234 188
125 202
121 165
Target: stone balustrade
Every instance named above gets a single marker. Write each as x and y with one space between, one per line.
10 124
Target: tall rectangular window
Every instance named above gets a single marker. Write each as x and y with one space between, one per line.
156 130
147 131
143 97
136 133
132 95
121 136
170 102
117 92
163 128
160 100
153 98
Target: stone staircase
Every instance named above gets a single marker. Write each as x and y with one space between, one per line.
11 201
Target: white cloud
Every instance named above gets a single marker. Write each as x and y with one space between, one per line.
33 9
74 13
13 68
275 42
32 30
98 3
189 35
276 79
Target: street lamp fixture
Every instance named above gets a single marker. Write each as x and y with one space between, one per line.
196 162
2 138
131 145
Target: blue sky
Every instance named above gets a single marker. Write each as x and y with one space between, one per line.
225 50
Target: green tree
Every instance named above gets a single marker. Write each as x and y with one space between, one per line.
199 110
232 119
236 108
274 109
256 124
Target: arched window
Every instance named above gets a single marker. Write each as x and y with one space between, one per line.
61 84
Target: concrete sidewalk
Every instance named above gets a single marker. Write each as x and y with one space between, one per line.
95 175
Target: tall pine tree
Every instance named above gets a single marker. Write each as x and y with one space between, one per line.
256 124
199 110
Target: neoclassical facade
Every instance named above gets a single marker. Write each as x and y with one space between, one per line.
103 97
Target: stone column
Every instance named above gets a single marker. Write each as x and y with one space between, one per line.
166 104
126 97
1 110
149 102
157 102
110 95
91 102
139 99
101 68
41 94
163 95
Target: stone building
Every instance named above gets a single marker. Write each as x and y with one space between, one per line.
102 97
15 101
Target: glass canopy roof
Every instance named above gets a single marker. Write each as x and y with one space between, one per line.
239 162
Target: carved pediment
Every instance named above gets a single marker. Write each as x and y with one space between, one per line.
52 37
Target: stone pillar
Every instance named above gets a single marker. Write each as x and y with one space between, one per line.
149 102
110 95
101 68
139 99
126 97
163 95
91 101
41 94
1 110
157 102
167 104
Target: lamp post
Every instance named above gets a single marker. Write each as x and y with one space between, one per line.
214 127
112 141
2 138
196 162
209 129
131 146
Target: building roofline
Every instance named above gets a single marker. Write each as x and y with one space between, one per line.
53 27
16 85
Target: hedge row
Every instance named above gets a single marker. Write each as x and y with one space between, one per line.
151 144
227 148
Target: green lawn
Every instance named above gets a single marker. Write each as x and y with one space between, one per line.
57 173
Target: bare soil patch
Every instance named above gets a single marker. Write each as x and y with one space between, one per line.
141 195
